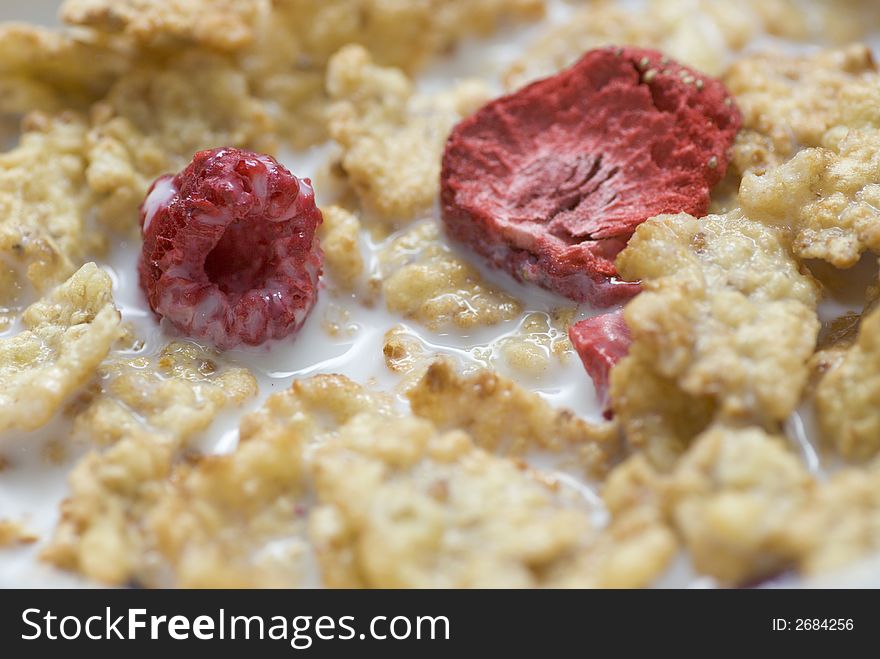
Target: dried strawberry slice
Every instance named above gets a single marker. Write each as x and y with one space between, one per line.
601 342
550 182
230 254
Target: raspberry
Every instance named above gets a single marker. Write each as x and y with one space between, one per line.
230 254
601 342
550 182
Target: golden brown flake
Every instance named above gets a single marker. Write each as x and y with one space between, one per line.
679 29
723 329
339 236
392 138
50 70
732 497
221 24
791 102
540 342
848 396
402 34
423 279
145 416
15 533
502 417
841 523
199 101
178 393
426 509
828 197
44 200
235 520
138 514
66 335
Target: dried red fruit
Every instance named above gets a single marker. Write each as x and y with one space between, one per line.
230 254
550 182
601 342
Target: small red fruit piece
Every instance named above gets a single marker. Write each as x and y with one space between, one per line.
550 182
230 254
601 342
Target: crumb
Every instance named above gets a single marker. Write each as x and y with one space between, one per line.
540 342
402 350
55 452
14 533
337 321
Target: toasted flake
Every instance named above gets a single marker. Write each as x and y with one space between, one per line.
342 253
44 200
732 497
235 520
791 102
500 416
144 417
240 519
97 535
177 393
392 138
679 29
198 101
427 509
15 533
828 197
654 413
225 25
138 514
316 408
66 335
723 329
848 396
403 34
50 70
425 280
841 523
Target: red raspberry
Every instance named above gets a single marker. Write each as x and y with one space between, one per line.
550 182
601 342
230 254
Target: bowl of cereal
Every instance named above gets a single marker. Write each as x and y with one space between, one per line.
500 293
